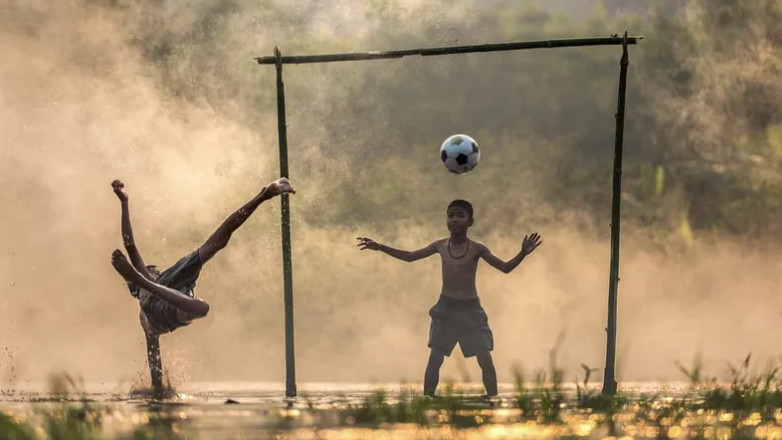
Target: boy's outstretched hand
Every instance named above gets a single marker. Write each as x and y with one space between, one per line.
367 243
117 186
530 243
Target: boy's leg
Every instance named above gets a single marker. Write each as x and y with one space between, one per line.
489 372
219 238
432 374
155 365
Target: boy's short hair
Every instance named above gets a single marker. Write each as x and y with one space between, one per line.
464 204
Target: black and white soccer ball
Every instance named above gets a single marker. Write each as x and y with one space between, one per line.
460 153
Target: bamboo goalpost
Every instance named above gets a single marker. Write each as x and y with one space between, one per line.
609 380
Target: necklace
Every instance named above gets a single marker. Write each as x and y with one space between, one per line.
460 256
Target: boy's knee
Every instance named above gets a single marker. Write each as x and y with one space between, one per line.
484 359
205 310
197 312
436 358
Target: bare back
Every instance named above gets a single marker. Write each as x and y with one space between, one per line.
460 264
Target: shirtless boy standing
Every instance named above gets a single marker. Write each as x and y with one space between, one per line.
458 316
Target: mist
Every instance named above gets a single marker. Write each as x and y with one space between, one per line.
166 96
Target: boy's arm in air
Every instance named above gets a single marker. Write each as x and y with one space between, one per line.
127 231
530 243
409 256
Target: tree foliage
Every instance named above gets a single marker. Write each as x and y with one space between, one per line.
703 142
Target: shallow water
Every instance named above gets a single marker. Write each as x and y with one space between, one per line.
233 410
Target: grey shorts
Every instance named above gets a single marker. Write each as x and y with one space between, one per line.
162 316
183 274
462 321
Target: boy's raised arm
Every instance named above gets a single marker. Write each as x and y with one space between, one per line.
530 243
127 230
409 256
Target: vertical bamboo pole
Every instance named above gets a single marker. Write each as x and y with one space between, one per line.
287 264
609 379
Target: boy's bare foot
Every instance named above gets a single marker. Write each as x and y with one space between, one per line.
124 268
118 186
280 186
491 400
142 392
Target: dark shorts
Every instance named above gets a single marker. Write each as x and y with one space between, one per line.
182 276
462 321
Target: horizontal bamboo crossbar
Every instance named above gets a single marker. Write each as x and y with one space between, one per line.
496 47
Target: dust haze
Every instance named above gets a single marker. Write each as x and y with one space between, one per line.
86 97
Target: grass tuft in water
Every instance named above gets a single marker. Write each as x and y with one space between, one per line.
13 429
748 406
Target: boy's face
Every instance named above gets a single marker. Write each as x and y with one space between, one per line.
458 220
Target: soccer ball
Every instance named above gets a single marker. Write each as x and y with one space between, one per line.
460 153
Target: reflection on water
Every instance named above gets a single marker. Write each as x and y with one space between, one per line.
359 411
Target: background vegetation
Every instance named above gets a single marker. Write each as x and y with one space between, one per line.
704 133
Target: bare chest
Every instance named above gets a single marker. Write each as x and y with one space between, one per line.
462 258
